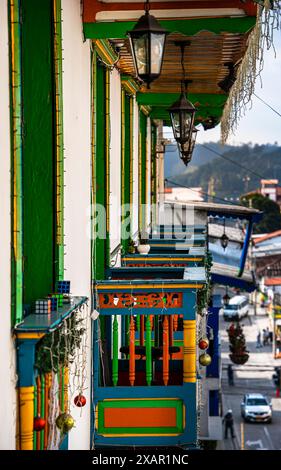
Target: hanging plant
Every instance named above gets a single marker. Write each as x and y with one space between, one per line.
204 294
57 349
237 344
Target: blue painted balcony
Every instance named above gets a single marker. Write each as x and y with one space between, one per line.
145 361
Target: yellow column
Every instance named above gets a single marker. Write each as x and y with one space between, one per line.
26 404
189 351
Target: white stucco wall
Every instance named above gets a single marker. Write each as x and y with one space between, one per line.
115 159
135 169
77 143
148 173
7 350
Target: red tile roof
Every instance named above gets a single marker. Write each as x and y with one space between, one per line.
277 233
273 281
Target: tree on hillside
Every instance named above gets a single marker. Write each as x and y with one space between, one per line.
271 220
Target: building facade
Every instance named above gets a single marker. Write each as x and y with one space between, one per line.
81 174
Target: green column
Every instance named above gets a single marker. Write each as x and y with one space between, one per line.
38 148
16 160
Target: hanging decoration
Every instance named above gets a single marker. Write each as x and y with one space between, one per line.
237 344
80 400
205 359
61 361
268 20
204 294
58 348
203 343
65 422
39 423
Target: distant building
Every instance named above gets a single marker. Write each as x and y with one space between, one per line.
183 195
267 256
269 188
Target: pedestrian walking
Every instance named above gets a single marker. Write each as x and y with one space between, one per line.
259 345
265 337
228 424
230 375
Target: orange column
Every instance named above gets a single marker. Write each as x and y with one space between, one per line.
132 359
175 318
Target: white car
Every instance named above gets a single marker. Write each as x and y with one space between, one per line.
255 407
237 308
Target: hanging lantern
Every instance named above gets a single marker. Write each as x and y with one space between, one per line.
182 114
147 41
203 343
39 423
205 359
224 238
186 149
80 400
210 123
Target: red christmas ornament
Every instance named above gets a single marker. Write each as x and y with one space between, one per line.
39 423
203 343
80 401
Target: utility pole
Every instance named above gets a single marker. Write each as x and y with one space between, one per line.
246 180
211 189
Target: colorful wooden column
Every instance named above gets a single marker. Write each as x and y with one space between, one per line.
189 351
25 363
132 359
175 320
165 350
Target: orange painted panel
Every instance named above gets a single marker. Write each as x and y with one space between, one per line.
140 417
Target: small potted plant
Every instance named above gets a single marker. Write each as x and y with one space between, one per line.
131 247
143 246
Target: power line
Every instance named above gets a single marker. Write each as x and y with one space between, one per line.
202 192
268 105
233 162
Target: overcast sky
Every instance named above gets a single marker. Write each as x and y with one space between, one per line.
260 124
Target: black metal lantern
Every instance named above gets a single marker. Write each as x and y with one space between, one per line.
182 112
186 148
148 43
224 238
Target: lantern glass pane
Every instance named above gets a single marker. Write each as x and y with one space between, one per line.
140 46
157 49
185 125
176 125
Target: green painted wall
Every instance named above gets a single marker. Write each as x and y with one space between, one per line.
100 251
38 148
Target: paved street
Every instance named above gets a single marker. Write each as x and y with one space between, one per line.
255 376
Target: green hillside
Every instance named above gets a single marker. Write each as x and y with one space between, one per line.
231 180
